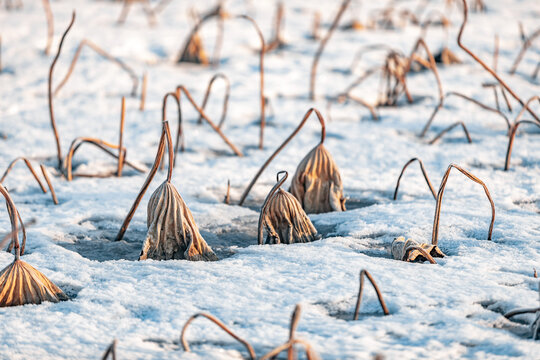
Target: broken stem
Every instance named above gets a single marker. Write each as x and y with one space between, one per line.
424 172
365 273
449 128
526 45
511 138
29 166
48 180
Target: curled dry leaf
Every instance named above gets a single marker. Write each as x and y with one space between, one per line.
284 219
317 183
411 251
20 283
447 57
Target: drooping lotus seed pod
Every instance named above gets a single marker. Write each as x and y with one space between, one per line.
172 232
20 283
411 251
317 183
284 219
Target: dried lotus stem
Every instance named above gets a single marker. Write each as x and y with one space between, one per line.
496 53
111 350
278 150
449 128
342 8
183 89
295 318
48 180
150 14
432 67
151 174
180 132
453 93
485 66
511 138
104 54
277 41
50 25
121 138
8 236
526 45
310 353
212 318
225 98
265 204
315 26
143 91
30 168
227 199
365 273
366 49
50 94
435 234
431 188
23 230
522 111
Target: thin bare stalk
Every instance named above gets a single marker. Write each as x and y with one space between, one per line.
435 234
366 49
50 25
121 138
496 53
143 91
30 168
23 231
526 45
183 89
424 172
432 67
12 211
48 180
449 128
278 150
219 41
511 138
212 318
534 74
295 318
484 65
111 350
310 353
265 204
8 236
104 54
476 102
522 111
151 174
365 273
342 8
227 199
365 104
50 93
150 14
508 105
176 97
277 41
225 98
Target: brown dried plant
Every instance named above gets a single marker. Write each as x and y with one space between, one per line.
511 138
104 54
411 251
225 97
50 25
535 325
526 45
150 13
20 283
212 318
277 42
283 217
111 351
428 182
316 183
363 274
322 45
143 91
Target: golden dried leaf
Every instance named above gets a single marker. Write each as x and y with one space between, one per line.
195 52
172 232
286 222
21 284
407 250
448 57
317 183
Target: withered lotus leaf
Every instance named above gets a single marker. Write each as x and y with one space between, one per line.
412 251
194 52
317 183
21 284
284 219
172 232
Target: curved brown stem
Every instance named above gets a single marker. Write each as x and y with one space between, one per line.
219 42
310 353
30 168
180 132
365 104
48 180
365 273
342 8
361 79
534 75
50 93
171 151
424 172
23 231
50 25
422 251
212 318
522 111
496 53
143 91
261 73
121 138
151 174
183 89
265 204
453 93
76 144
104 54
526 45
12 211
278 150
295 318
364 50
435 234
511 139
449 128
433 64
484 65
225 98
111 350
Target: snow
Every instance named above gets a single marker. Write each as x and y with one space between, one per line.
446 311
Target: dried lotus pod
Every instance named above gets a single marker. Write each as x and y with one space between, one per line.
411 251
317 183
284 219
20 283
172 232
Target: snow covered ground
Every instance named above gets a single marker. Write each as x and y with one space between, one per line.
446 311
